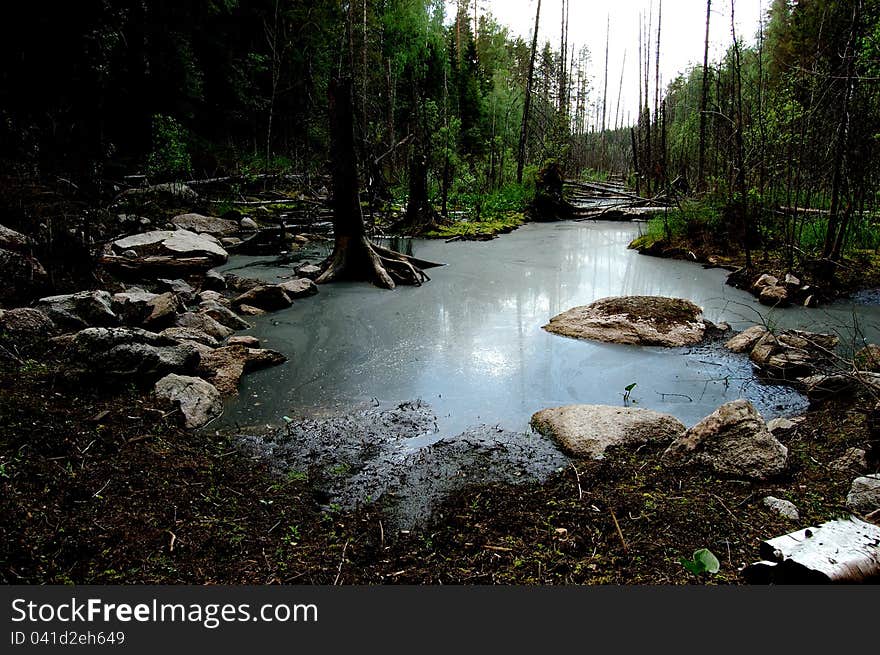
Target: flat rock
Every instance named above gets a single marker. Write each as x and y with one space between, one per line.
241 284
732 441
179 288
199 401
204 224
269 298
589 430
299 288
746 340
634 320
864 495
173 243
249 310
309 271
77 311
245 340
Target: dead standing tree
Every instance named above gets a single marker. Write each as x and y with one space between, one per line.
354 256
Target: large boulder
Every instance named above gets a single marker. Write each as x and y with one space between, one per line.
204 224
113 353
77 311
199 401
634 320
732 441
224 366
864 495
203 323
173 244
267 297
21 276
589 430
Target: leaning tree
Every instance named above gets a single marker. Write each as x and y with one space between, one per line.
354 256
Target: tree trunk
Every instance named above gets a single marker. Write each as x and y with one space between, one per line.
704 105
524 132
354 257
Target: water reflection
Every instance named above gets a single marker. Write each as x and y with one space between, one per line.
470 342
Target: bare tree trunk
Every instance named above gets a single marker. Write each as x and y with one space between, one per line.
704 105
741 202
354 257
527 105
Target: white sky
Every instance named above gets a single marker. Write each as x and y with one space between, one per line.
681 39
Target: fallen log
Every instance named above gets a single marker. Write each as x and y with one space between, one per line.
843 551
157 264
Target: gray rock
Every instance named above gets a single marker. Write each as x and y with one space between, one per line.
223 315
14 241
634 320
179 288
781 425
776 296
248 310
140 308
299 288
203 323
21 276
853 460
764 282
589 430
309 271
172 243
792 282
241 284
732 441
204 224
199 401
269 298
230 242
245 340
746 340
113 353
249 224
190 334
76 311
214 296
24 327
785 508
864 495
170 191
214 281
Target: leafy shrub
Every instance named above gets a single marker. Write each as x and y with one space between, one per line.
169 158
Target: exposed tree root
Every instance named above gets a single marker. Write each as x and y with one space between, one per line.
363 260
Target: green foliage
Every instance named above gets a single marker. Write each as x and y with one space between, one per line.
169 157
703 562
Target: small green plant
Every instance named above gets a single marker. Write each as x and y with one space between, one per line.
169 158
704 561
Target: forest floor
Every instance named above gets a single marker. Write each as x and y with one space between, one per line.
98 486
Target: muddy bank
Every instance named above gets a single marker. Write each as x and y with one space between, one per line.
368 458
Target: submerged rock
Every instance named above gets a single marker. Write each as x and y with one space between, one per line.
589 430
731 441
634 320
199 401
